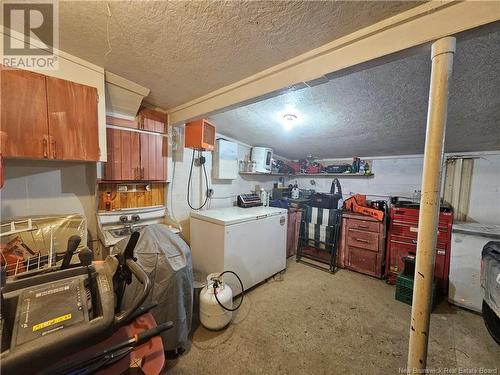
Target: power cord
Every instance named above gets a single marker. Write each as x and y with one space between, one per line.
207 195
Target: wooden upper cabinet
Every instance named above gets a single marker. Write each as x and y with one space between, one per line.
73 127
116 121
153 157
152 120
24 128
47 118
135 156
123 155
131 162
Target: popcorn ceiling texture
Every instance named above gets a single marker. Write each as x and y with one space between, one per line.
182 50
381 110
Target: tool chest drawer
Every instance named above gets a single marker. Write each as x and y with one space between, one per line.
410 230
362 244
363 239
402 241
364 261
364 225
400 250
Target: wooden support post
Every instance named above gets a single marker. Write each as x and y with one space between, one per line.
442 63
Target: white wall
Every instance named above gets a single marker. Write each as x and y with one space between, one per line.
403 176
49 187
225 191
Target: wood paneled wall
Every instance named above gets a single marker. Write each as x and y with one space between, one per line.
132 199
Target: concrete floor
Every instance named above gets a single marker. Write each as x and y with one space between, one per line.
313 322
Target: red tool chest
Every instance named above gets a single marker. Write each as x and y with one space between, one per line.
362 244
402 241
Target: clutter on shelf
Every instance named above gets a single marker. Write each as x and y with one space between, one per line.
309 166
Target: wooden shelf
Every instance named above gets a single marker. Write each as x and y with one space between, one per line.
308 174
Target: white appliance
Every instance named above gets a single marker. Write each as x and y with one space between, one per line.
248 241
262 157
467 243
225 161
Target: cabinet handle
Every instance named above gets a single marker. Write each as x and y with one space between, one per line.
142 173
45 148
362 240
53 146
441 252
362 226
414 242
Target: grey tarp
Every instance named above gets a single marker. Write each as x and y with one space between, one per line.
166 258
490 280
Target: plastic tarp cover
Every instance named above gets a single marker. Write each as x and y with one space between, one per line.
490 275
36 241
166 258
40 233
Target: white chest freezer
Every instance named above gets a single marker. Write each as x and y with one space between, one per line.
467 243
248 241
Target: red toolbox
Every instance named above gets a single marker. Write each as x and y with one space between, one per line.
402 241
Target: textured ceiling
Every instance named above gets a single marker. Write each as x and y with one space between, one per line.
380 110
184 49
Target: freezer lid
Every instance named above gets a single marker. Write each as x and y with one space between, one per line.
477 229
235 215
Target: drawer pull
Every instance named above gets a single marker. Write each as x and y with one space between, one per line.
441 252
362 226
362 240
414 242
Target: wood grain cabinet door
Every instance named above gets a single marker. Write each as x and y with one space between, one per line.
153 157
130 155
163 157
148 159
123 155
113 166
72 113
23 106
153 121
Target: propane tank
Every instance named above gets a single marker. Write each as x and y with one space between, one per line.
212 315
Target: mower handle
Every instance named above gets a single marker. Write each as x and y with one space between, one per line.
141 276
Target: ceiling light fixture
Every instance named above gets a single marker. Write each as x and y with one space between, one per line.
290 117
288 120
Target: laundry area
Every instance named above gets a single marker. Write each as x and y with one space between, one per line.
250 187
